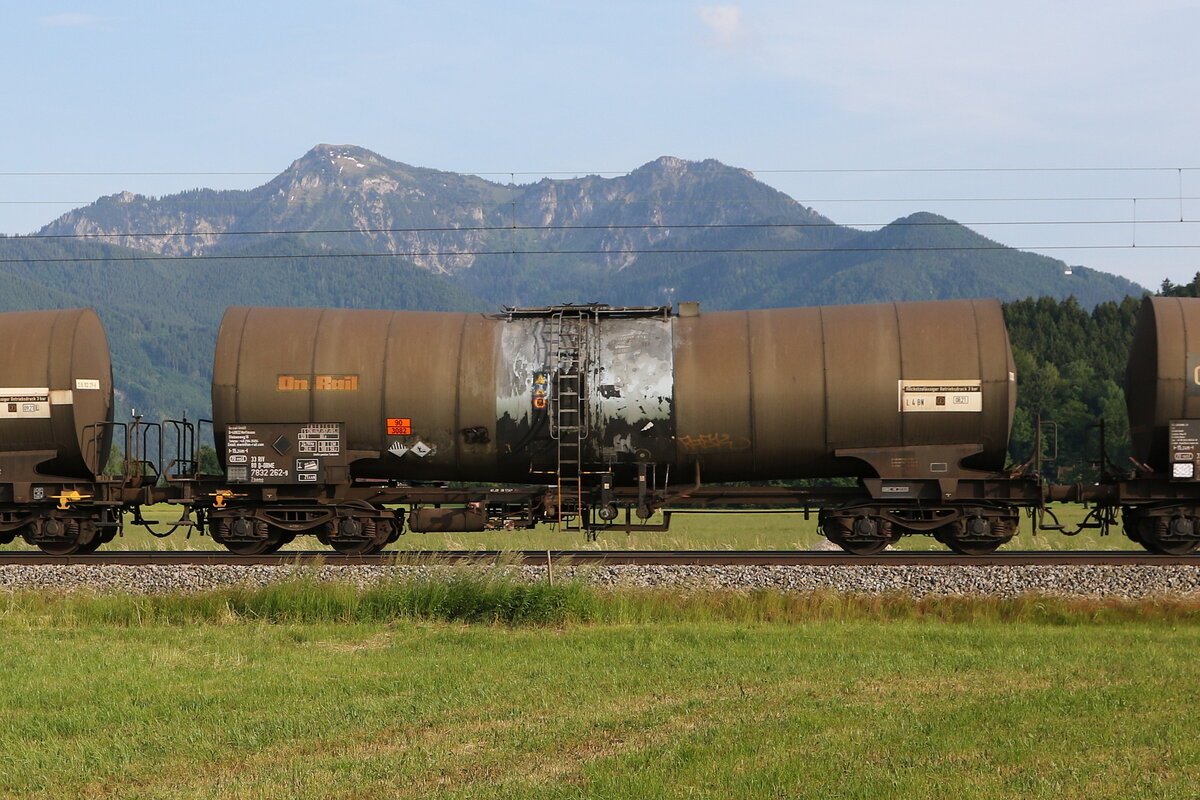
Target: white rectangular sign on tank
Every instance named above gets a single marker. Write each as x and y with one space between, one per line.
966 395
24 403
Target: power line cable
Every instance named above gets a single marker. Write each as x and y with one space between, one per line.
681 251
692 167
640 226
110 174
806 203
807 200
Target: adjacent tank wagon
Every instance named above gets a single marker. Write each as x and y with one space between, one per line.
1160 498
56 411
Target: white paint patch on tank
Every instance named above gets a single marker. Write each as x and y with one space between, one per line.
522 355
633 379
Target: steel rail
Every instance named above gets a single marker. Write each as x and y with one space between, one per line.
611 557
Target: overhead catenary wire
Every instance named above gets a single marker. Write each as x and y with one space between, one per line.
693 167
178 200
551 228
635 251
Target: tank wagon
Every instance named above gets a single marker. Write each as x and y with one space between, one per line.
1159 498
56 413
325 418
56 432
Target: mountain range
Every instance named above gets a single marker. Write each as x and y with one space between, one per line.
345 227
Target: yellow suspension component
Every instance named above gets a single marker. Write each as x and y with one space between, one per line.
66 498
220 496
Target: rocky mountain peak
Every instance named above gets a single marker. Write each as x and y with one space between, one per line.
668 167
675 166
333 164
325 155
670 164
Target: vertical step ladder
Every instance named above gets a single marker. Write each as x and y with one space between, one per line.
568 418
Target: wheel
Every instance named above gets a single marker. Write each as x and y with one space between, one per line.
979 547
1168 547
862 536
90 540
1133 523
862 547
378 533
976 536
79 536
63 548
60 548
280 537
238 536
355 547
256 547
1167 537
1171 548
374 534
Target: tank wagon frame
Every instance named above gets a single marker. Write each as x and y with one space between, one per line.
597 417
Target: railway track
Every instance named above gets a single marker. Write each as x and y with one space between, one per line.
612 557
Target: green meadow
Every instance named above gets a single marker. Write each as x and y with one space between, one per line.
470 686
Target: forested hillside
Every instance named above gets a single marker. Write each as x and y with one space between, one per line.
1071 371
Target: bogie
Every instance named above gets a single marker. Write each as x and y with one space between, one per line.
1169 531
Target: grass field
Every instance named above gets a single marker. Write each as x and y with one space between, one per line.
741 531
307 692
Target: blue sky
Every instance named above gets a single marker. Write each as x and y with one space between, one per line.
1097 93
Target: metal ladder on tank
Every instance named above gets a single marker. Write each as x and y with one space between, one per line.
568 420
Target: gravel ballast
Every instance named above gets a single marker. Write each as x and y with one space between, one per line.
1133 582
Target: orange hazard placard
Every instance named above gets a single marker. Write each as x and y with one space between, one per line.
399 427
